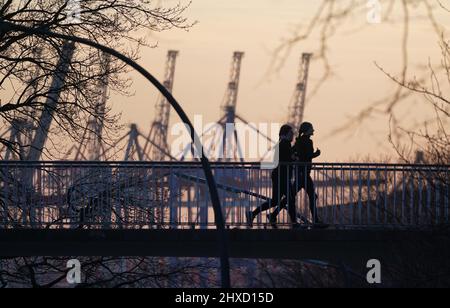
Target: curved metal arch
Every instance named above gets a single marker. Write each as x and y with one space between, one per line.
218 214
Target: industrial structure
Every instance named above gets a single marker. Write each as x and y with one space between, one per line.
229 143
157 142
225 143
134 145
19 134
27 141
46 117
298 102
92 147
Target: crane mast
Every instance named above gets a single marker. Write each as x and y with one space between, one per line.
229 108
157 140
91 146
21 129
231 95
297 106
46 118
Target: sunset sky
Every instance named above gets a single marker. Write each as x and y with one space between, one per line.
257 27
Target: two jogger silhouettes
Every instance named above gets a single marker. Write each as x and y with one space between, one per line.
283 190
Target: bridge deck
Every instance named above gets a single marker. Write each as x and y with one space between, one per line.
328 245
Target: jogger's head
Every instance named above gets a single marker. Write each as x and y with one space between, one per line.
287 132
306 129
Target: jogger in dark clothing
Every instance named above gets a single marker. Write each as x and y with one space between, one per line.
304 153
282 188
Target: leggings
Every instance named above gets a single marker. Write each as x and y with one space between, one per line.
306 182
281 194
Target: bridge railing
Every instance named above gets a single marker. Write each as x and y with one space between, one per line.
132 195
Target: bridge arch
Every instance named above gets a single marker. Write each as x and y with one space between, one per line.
219 220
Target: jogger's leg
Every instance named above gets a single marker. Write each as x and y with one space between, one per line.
269 204
288 192
292 208
310 190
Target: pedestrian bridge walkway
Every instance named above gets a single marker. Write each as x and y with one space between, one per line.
172 195
163 209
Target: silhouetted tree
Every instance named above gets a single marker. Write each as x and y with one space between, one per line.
432 139
27 66
28 62
332 17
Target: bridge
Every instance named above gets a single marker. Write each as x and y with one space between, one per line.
163 209
173 195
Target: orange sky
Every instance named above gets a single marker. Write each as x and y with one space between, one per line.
257 27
